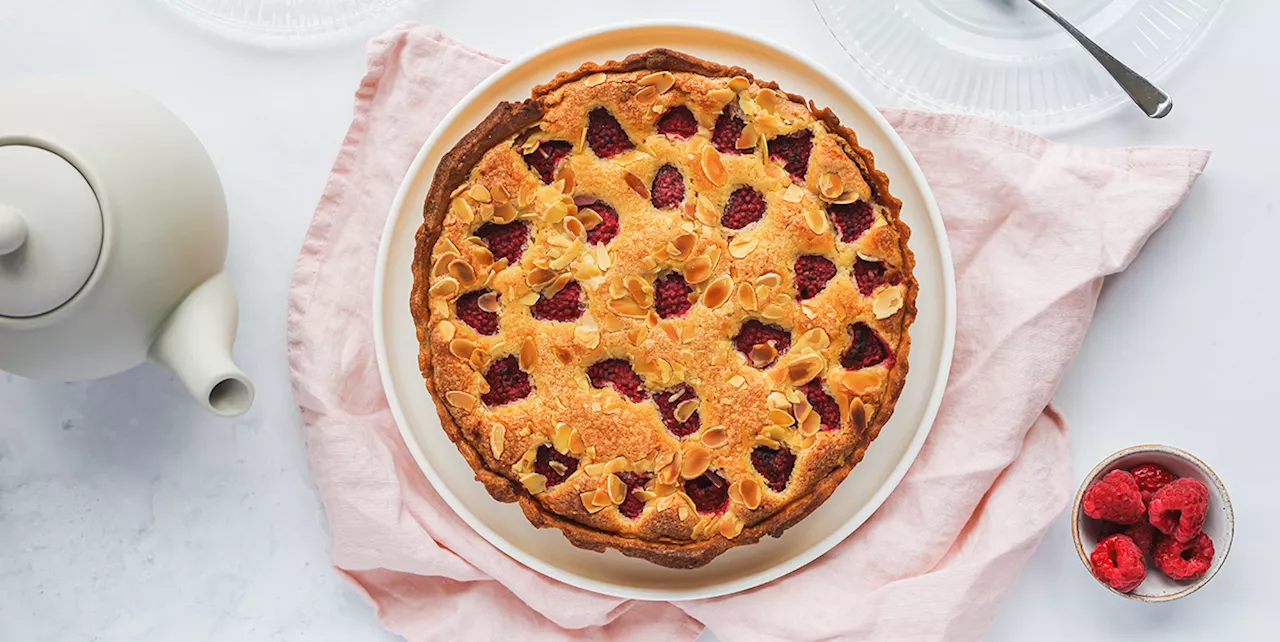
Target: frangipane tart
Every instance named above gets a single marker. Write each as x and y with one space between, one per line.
663 305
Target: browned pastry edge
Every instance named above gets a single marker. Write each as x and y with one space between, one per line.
506 120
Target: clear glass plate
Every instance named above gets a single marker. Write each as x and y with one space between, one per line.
1003 59
283 21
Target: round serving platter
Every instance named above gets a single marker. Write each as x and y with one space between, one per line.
547 551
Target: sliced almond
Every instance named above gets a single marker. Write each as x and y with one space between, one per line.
488 302
462 210
712 167
811 424
505 213
815 339
697 269
627 307
748 138
459 399
480 193
830 185
730 526
686 410
560 438
661 81
527 193
857 382
762 354
483 257
858 415
741 246
647 94
497 440
570 179
721 96
767 98
887 303
715 437
718 291
751 493
563 355
696 461
441 266
802 370
737 381
639 290
462 348
446 288
534 483
781 418
576 444
747 297
589 502
636 185
500 194
528 354
595 79
539 277
773 312
617 489
769 280
446 330
793 194
586 338
463 272
617 465
590 218
638 334
816 220
738 83
574 227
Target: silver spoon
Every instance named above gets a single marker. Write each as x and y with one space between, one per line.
1153 101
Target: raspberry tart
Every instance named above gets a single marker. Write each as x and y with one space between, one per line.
663 305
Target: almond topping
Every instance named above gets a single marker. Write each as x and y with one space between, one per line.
446 287
627 307
505 213
781 418
500 194
462 348
830 185
601 497
527 193
773 312
574 227
636 185
686 410
590 218
441 266
639 290
462 271
858 382
816 339
576 445
497 440
804 369
594 79
482 255
858 414
751 493
534 483
563 355
767 98
811 424
747 297
793 194
617 465
715 437
566 174
718 291
488 302
586 338
462 210
647 94
538 277
769 280
762 354
459 399
712 167
748 138
721 95
730 526
617 489
560 439
741 246
528 354
696 461
737 381
816 220
480 193
697 269
888 302
684 243
738 83
446 330
588 501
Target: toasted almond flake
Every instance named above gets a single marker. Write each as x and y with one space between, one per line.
595 470
574 227
816 220
781 418
888 302
715 437
737 381
566 180
440 308
563 355
773 312
697 269
570 254
671 331
637 288
721 95
557 284
778 400
588 339
686 410
803 369
659 108
463 211
696 461
811 424
560 439
497 348
588 501
527 193
767 98
647 94
446 287
858 414
683 244
616 488
576 445
480 193
747 297
712 167
617 465
830 185
462 347
645 495
748 138
801 408
478 359
538 277
505 213
706 214
534 483
459 399
497 440
762 440
528 353
589 217
741 246
815 338
718 291
776 433
769 280
730 526
482 256
762 354
594 79
488 302
751 493
528 298
445 330
661 80
500 194
652 319
858 382
793 194
738 83
441 266
637 335
627 307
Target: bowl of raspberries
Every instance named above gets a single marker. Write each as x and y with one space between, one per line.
1152 523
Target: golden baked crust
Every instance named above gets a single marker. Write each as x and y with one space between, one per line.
577 450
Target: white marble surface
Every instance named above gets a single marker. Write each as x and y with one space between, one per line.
126 514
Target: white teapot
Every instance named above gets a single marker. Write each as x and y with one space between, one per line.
113 234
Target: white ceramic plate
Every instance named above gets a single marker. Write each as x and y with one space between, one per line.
547 551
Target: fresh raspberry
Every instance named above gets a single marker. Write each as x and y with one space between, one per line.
812 274
555 475
822 403
1114 498
866 348
547 157
678 123
793 151
774 465
607 228
710 492
565 305
869 275
1184 561
618 373
1118 562
1144 535
851 219
1178 509
505 241
507 382
755 333
469 312
632 506
605 134
667 400
729 127
671 295
668 188
745 206
1151 478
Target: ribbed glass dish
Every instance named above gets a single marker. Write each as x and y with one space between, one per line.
284 21
1003 59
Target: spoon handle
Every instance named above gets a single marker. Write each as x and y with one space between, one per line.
1149 97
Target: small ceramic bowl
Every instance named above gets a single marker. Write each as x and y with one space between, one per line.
1219 522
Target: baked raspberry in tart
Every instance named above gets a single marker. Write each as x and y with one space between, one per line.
663 305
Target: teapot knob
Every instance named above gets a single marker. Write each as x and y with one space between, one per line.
13 230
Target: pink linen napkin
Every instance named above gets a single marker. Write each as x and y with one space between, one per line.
1034 227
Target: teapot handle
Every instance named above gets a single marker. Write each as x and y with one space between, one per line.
13 229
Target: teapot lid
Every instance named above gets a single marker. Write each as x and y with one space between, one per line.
50 231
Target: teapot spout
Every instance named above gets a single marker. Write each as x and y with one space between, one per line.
195 344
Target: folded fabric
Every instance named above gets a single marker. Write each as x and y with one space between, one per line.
1034 227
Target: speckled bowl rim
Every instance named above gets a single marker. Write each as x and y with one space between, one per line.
1222 549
